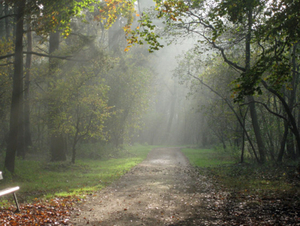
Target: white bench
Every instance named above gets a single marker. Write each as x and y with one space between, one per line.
10 190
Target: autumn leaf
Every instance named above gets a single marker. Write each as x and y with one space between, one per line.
40 212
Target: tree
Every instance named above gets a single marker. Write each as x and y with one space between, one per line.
220 87
129 88
14 137
17 91
261 29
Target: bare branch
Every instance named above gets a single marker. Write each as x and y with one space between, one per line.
3 65
43 55
49 56
10 15
267 108
7 56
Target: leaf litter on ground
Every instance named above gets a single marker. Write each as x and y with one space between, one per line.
55 211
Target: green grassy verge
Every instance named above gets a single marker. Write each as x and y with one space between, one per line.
48 179
207 157
249 178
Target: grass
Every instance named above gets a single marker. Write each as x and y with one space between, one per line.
207 157
49 179
265 180
250 178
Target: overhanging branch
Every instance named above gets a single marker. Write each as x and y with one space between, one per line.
42 55
10 15
268 109
49 56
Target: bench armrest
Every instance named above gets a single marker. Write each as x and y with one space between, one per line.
9 190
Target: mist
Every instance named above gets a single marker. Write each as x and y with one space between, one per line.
118 104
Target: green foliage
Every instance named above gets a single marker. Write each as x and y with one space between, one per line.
146 32
78 96
56 15
224 25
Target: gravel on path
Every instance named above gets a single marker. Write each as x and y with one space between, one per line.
162 190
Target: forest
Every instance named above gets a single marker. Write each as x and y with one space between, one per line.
66 80
87 78
77 72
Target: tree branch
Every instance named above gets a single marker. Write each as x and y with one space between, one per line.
268 109
10 15
7 56
3 65
49 56
43 55
232 109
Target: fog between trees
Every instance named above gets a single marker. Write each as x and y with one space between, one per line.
66 80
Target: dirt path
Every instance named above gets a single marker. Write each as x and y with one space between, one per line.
162 190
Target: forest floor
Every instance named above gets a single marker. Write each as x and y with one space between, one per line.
162 190
166 190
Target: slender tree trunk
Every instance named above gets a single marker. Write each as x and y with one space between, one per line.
290 146
8 34
291 118
243 147
297 145
16 93
7 30
253 113
172 111
2 23
243 121
28 140
235 113
75 142
57 147
21 131
256 128
283 141
292 99
269 136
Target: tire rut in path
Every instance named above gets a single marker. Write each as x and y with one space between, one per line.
162 190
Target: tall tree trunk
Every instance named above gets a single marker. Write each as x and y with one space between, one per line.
297 145
290 146
243 121
171 115
243 147
21 131
269 136
2 23
57 144
282 144
16 92
7 30
292 98
291 118
253 113
75 140
28 140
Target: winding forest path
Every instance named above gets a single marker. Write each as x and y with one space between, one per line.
162 190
